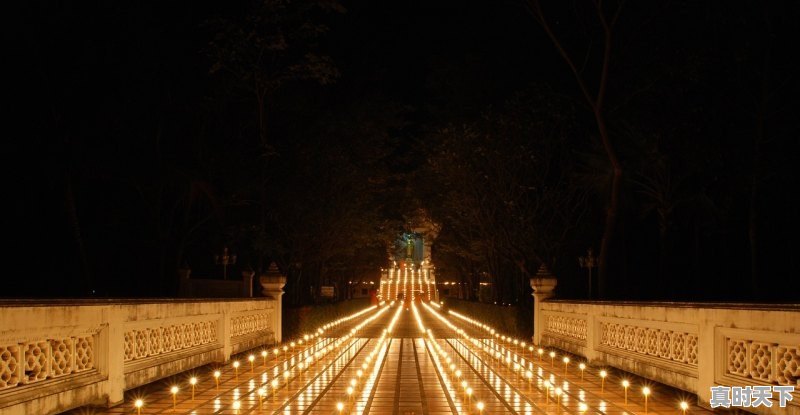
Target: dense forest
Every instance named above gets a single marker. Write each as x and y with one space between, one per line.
148 137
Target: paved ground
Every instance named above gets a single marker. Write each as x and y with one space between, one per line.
398 360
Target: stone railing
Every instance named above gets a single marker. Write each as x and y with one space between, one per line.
58 355
691 346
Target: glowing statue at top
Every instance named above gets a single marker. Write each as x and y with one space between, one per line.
409 247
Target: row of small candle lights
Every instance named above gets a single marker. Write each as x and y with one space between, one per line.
417 278
548 384
321 348
356 383
442 355
494 347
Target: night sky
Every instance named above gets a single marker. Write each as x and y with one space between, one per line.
128 156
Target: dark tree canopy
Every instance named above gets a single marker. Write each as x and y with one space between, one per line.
147 136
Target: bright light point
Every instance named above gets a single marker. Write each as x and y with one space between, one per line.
236 364
173 390
566 360
193 381
237 405
480 406
625 383
217 373
140 403
251 358
684 405
264 353
582 407
603 373
582 366
349 390
540 351
646 391
274 383
552 354
339 406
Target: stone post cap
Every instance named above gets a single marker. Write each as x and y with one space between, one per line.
272 277
543 281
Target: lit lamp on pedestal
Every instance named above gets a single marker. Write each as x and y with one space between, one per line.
582 367
251 359
684 406
603 375
566 363
174 391
625 385
236 368
217 374
646 393
193 382
138 404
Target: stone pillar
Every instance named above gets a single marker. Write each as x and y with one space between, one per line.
111 355
543 284
247 282
272 283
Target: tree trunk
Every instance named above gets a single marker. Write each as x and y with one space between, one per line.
613 207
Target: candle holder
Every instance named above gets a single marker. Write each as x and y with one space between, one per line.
547 387
603 375
625 385
174 391
193 382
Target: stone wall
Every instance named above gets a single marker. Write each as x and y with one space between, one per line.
691 346
58 355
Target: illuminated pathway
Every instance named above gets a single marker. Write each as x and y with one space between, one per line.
402 359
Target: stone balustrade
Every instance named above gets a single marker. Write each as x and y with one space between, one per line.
58 355
691 346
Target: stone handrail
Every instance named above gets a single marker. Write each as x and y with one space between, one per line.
60 354
691 346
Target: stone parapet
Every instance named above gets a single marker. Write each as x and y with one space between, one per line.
691 346
61 354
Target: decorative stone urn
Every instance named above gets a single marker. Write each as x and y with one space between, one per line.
544 285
